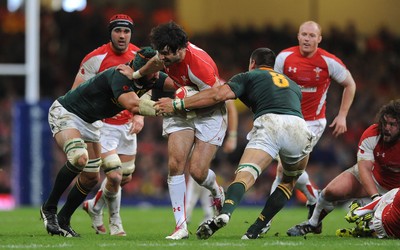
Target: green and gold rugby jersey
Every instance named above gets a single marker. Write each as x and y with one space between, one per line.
96 98
266 91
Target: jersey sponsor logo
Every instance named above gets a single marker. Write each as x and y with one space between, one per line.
396 170
82 71
308 90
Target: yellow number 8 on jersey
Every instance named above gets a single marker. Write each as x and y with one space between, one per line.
279 80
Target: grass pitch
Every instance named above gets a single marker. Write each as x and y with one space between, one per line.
147 228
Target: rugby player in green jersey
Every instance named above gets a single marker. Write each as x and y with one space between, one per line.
75 121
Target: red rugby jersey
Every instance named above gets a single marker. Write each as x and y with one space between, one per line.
197 68
385 157
313 75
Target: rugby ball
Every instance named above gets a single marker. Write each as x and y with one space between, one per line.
185 91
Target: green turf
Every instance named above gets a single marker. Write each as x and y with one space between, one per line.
147 227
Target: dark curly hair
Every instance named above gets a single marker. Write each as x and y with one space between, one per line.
168 34
392 109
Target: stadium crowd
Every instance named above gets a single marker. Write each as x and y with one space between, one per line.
66 37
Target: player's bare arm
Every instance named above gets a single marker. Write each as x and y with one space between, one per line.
130 101
365 170
339 123
202 99
152 66
77 82
231 139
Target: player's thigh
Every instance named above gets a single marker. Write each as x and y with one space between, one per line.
252 163
180 144
65 135
127 158
343 187
257 157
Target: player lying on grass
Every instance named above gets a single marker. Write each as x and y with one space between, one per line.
379 218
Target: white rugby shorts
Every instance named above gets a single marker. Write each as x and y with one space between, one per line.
207 128
286 135
354 171
317 127
117 137
61 119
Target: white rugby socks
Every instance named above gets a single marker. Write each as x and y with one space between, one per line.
177 193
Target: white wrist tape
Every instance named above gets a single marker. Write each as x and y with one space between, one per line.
178 104
146 107
136 74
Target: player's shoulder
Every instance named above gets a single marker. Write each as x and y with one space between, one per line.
371 131
196 53
323 52
287 52
197 58
369 137
103 49
330 58
100 51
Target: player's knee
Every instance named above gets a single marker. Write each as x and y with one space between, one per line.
253 169
77 154
290 176
114 178
128 168
89 179
176 166
330 193
111 163
198 175
112 168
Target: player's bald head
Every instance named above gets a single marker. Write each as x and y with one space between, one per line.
311 25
